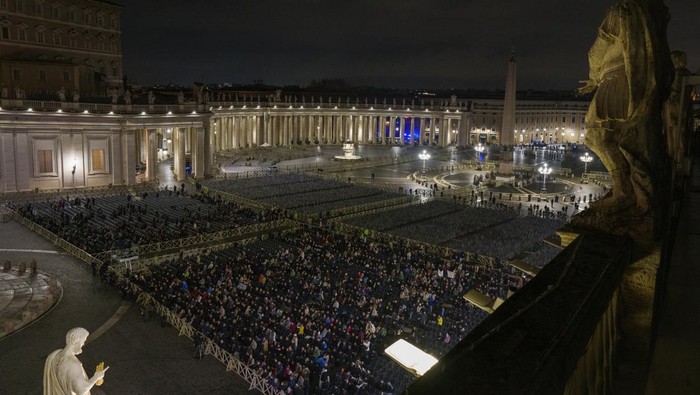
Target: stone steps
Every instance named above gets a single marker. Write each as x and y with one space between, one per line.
23 299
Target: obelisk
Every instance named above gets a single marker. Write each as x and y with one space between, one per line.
508 127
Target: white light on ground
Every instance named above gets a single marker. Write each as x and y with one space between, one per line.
410 357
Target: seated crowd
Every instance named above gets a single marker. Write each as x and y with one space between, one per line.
312 311
122 221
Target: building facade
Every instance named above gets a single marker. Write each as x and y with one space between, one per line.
63 145
47 46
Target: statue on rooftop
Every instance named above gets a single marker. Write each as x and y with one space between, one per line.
63 372
677 110
630 72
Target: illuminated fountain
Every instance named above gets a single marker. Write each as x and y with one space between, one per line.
348 152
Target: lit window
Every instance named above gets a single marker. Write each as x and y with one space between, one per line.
98 160
44 160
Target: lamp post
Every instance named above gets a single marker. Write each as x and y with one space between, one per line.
479 149
586 159
545 171
424 156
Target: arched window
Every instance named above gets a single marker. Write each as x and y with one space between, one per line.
87 41
40 32
56 10
22 31
73 38
101 42
39 8
87 16
57 37
5 29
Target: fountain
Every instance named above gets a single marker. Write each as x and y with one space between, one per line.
348 152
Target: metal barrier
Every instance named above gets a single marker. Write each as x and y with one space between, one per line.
59 242
431 248
198 239
184 329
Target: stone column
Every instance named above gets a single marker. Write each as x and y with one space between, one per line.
208 148
129 156
152 144
179 153
413 125
198 152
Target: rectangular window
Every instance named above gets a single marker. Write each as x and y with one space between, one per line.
5 33
57 39
16 74
22 34
98 160
66 76
19 5
40 37
73 41
45 160
42 75
55 12
3 4
114 71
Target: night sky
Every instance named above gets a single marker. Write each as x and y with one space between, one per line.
457 44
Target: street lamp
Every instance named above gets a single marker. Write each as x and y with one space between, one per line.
424 156
586 160
479 150
545 171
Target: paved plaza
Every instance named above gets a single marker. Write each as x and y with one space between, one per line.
145 358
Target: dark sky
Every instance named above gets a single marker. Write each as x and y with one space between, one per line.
385 43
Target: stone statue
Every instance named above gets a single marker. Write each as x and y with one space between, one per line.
630 70
677 110
180 97
76 96
127 97
18 93
151 97
63 372
61 94
115 96
4 93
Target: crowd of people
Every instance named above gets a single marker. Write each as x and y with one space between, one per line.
98 224
312 311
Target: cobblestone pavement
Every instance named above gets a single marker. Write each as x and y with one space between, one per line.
144 358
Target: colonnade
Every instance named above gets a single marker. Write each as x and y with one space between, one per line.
189 146
242 129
